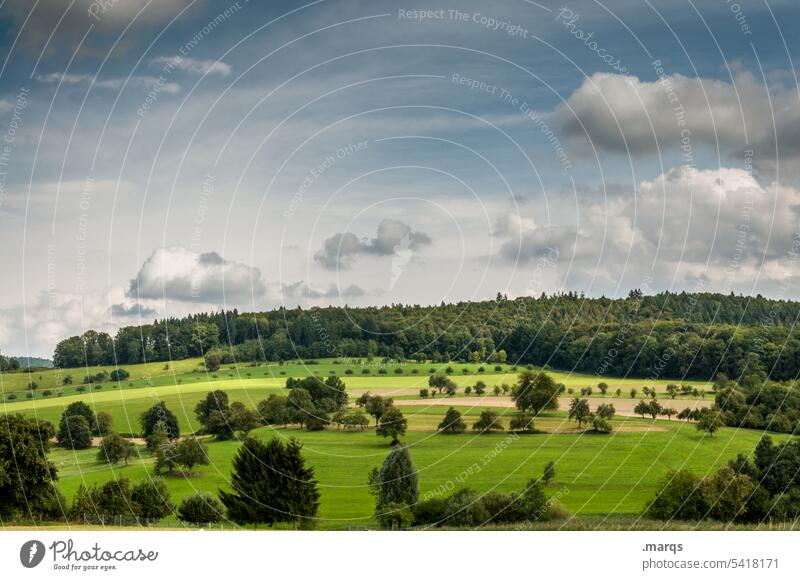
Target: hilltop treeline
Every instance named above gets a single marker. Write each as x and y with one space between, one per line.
663 335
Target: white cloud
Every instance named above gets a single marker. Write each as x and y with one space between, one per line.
301 290
177 273
341 249
625 114
114 84
193 65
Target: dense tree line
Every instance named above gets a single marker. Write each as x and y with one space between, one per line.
667 334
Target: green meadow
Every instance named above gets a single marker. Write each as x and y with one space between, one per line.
596 475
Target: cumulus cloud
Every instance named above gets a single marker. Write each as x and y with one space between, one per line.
721 226
193 65
340 250
113 84
302 290
177 273
52 316
625 114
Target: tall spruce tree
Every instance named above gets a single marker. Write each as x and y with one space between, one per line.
271 484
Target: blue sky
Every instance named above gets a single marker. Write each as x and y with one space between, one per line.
175 156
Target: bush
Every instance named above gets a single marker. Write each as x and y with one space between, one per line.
679 497
152 500
118 375
465 509
200 508
430 512
423 393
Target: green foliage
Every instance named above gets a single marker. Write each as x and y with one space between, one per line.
522 422
549 472
159 414
190 452
488 421
710 421
579 410
271 484
114 448
452 422
679 497
392 424
26 476
274 410
151 499
535 392
74 432
200 508
396 483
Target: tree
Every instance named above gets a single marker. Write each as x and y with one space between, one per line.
452 422
114 499
579 411
606 411
200 508
642 408
480 388
213 413
271 484
156 414
191 452
113 448
392 424
710 421
633 394
442 383
242 419
522 422
157 438
274 410
734 497
74 432
80 409
167 456
679 497
600 425
151 498
212 361
301 406
26 476
105 423
602 387
396 484
535 392
668 412
488 421
672 390
118 375
549 473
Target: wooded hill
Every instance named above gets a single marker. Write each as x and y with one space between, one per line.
664 335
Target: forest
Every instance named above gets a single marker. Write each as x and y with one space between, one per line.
678 335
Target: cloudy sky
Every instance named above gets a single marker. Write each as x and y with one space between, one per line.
165 157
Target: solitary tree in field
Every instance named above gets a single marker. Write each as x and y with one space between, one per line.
452 422
522 422
488 421
271 484
579 410
191 452
535 392
398 481
710 421
602 387
392 424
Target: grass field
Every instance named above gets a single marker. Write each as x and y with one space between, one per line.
595 475
191 371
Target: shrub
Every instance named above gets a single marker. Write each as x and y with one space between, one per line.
678 497
200 508
423 393
118 375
